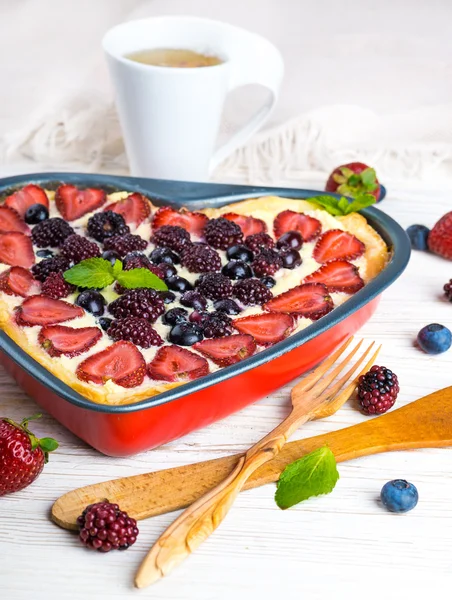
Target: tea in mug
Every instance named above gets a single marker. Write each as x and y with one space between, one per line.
178 58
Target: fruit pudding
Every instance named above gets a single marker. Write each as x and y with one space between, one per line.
122 300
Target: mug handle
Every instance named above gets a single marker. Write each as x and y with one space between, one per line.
257 63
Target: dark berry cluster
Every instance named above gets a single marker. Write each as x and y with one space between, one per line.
251 292
123 244
141 302
214 286
106 224
267 262
172 236
217 324
55 286
42 269
377 390
104 527
51 233
448 290
136 330
257 241
77 248
201 258
221 233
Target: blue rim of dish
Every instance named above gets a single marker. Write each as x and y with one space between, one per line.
197 196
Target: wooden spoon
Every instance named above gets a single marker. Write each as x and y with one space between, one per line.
425 423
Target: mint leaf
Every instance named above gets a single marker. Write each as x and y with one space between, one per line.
329 203
314 474
117 268
362 201
92 272
141 278
342 206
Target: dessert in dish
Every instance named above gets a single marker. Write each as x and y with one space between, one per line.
221 285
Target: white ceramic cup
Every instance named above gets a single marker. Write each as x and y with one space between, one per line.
170 117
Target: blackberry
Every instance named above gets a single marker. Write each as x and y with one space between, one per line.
42 270
136 330
194 300
267 262
201 258
257 241
214 286
171 236
106 224
51 232
217 325
77 248
175 315
141 302
251 291
123 244
377 390
104 527
164 255
227 306
55 286
136 260
448 290
221 233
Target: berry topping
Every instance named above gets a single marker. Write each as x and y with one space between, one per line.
164 255
42 310
194 300
111 256
240 252
434 338
215 325
36 213
106 224
290 239
288 220
354 179
123 244
11 221
214 286
21 200
178 284
336 244
418 235
257 241
399 496
172 236
237 269
175 315
92 301
104 527
338 276
268 282
172 363
121 363
227 350
448 290
51 232
227 306
185 334
310 300
290 258
167 270
266 329
77 248
105 322
193 222
201 258
46 253
377 390
140 302
49 265
136 330
168 297
440 237
136 260
16 250
74 203
18 281
221 233
251 292
267 262
135 209
248 225
55 286
59 339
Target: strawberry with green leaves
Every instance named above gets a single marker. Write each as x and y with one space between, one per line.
354 179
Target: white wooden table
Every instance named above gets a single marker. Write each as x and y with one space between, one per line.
344 545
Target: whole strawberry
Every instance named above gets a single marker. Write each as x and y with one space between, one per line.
22 455
354 179
440 237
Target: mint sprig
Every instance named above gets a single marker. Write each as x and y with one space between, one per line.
341 206
314 474
99 273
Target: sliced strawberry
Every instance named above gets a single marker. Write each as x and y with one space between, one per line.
18 281
173 363
58 339
16 250
74 203
193 222
336 244
267 328
11 221
136 208
121 363
227 350
310 300
289 220
42 310
338 276
21 200
249 225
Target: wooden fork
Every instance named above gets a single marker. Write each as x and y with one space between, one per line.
313 397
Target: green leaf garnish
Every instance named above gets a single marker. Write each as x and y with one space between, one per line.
141 278
368 179
314 474
117 268
342 206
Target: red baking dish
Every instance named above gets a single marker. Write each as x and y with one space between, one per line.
127 429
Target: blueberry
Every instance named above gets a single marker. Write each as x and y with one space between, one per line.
237 269
36 213
418 235
194 300
290 239
227 306
175 315
167 270
240 253
399 495
434 338
111 256
92 302
168 297
46 253
290 258
268 281
178 284
105 322
164 255
185 334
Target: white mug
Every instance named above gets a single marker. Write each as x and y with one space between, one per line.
170 117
